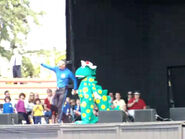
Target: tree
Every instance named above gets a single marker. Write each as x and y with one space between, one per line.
15 16
5 53
31 68
28 70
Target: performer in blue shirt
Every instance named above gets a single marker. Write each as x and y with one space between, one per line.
63 75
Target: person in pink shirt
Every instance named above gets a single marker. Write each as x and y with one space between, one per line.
21 110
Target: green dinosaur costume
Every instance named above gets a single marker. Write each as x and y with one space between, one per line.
90 93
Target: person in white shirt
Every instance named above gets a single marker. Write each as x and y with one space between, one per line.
119 103
29 104
15 63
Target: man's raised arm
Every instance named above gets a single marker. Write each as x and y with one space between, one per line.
48 67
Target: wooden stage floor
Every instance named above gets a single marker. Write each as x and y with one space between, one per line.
144 130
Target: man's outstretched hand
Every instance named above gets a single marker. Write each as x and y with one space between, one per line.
74 92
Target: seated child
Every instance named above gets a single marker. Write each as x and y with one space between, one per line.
77 111
7 106
37 111
67 117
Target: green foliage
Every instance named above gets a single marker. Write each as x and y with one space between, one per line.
28 68
14 18
5 53
48 54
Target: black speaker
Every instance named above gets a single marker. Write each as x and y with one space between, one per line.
144 115
177 114
8 119
112 116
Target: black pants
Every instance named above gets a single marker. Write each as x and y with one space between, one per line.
23 116
17 71
59 99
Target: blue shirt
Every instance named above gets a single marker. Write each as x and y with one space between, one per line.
7 108
66 108
63 76
77 108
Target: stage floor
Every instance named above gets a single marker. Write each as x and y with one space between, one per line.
144 130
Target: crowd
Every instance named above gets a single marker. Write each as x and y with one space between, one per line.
33 109
133 101
56 108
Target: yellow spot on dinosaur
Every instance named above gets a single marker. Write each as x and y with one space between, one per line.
92 106
85 79
104 98
88 111
97 101
83 115
91 80
103 107
86 96
100 91
85 89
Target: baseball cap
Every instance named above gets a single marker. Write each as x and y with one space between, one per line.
62 62
136 93
129 92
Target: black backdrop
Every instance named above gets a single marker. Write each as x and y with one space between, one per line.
131 41
177 77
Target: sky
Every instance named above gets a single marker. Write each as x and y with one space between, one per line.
52 29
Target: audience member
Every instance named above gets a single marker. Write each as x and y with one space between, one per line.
29 106
129 96
72 103
7 106
7 93
20 107
136 102
118 103
77 111
37 96
37 111
112 97
67 117
47 106
95 110
54 111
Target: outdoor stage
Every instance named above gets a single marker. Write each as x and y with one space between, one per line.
144 130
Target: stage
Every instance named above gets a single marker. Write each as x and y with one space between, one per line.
144 130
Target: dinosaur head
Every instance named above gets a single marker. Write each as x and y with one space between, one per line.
87 69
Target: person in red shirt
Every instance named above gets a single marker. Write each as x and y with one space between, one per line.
49 112
136 102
